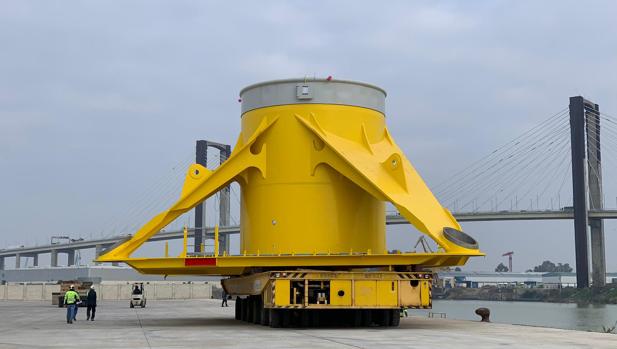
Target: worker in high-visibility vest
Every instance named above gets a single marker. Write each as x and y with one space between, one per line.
70 299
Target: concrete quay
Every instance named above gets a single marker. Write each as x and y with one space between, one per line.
204 324
113 291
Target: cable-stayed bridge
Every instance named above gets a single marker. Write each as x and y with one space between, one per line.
552 171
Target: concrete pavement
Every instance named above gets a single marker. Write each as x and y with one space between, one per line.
203 323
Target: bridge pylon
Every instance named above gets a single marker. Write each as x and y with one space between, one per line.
587 190
201 158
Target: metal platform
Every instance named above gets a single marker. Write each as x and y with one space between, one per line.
236 265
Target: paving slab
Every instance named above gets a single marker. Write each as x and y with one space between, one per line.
204 324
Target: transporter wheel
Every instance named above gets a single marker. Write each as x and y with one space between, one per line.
356 320
285 318
305 317
395 318
314 318
244 309
238 310
383 317
275 318
249 309
367 317
131 305
265 317
257 309
239 306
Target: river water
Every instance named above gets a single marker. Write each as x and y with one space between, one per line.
557 315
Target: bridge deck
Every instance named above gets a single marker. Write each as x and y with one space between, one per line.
391 219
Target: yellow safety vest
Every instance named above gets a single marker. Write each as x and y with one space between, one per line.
70 297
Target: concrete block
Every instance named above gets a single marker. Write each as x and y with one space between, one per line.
48 290
163 291
149 288
15 292
33 292
125 291
109 292
201 291
182 291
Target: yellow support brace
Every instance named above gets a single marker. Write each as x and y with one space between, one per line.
216 240
184 243
200 184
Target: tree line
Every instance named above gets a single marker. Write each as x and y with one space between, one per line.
545 267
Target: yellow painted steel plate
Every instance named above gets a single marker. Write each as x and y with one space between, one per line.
236 265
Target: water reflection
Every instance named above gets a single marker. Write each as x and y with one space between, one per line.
585 317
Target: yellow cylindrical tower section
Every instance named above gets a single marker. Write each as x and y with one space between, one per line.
298 208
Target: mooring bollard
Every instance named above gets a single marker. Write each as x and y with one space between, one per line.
484 313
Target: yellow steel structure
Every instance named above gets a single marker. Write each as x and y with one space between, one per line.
314 172
339 289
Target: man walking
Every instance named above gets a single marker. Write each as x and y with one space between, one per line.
70 299
224 295
91 303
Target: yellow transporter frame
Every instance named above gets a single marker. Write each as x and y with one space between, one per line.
338 290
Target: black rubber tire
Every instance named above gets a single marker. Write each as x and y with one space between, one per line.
265 317
285 318
356 318
238 309
383 317
245 309
257 309
131 305
315 317
367 317
275 318
395 319
305 317
249 309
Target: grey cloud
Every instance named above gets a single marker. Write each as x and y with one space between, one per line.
97 100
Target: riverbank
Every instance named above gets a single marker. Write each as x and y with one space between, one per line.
604 295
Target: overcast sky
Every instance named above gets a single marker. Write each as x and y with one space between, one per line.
101 102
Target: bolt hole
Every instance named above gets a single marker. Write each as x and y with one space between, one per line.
394 163
255 148
341 293
318 144
196 172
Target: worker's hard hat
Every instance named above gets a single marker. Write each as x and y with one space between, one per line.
92 287
72 287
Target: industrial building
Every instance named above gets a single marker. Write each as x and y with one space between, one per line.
475 279
552 280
